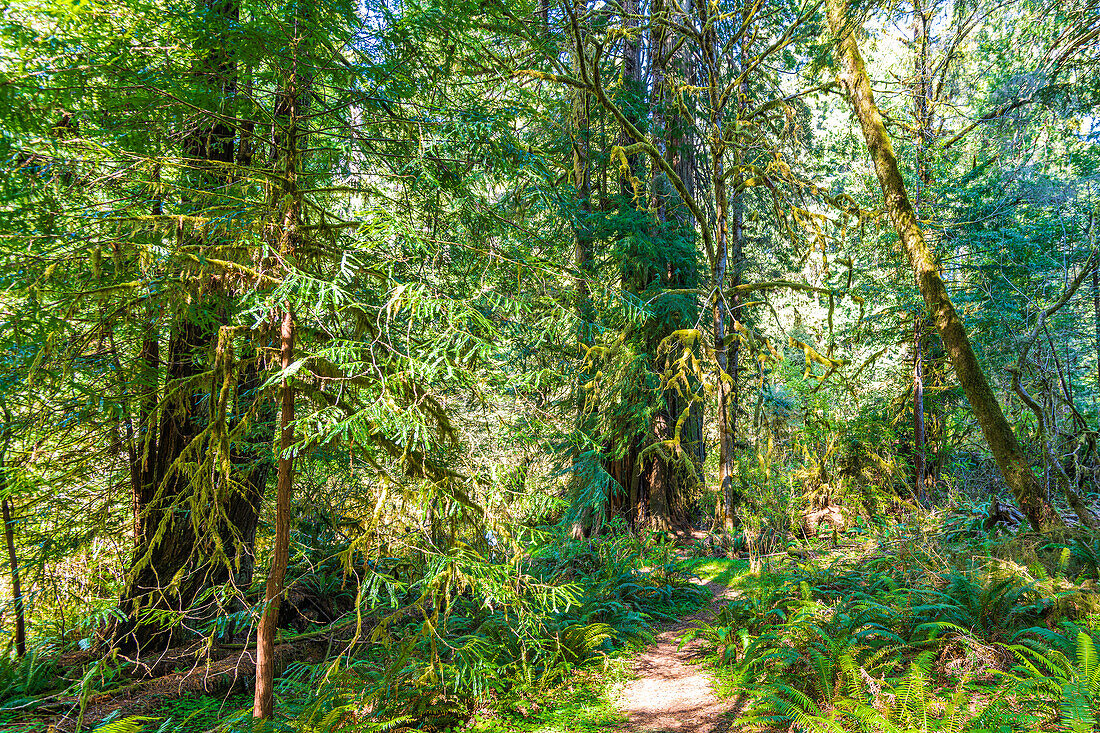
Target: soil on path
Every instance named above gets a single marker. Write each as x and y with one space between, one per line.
673 692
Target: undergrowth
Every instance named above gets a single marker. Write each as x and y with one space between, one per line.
934 635
507 649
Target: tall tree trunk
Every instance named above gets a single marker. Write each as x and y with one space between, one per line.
143 457
165 549
630 474
920 474
682 160
171 565
290 110
922 114
998 433
737 266
250 460
263 702
728 246
670 469
9 534
1096 336
582 267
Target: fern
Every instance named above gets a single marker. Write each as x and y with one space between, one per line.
1067 683
785 705
989 608
24 679
132 724
1087 555
910 706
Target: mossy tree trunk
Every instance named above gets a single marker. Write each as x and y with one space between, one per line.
1010 457
580 146
192 532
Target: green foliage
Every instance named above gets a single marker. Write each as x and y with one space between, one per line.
1087 554
484 307
131 724
202 713
838 647
1062 671
503 631
23 680
910 705
585 706
988 606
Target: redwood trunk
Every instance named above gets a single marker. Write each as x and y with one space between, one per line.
171 566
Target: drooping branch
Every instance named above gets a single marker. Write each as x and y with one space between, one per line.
1076 503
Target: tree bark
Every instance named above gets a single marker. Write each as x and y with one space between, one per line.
919 456
1011 459
728 245
582 267
171 565
251 459
13 564
9 533
671 458
1096 335
922 111
263 702
631 474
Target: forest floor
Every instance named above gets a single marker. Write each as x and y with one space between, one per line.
673 691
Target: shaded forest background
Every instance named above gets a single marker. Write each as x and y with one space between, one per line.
326 316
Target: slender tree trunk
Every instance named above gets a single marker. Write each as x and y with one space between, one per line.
685 166
13 563
726 354
922 115
998 433
1096 336
265 636
290 110
737 266
919 457
682 159
9 533
582 266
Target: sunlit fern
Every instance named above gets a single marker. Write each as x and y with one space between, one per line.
990 608
1067 681
911 706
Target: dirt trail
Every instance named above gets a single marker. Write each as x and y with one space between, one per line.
671 693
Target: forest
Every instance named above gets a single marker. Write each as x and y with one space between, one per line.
550 366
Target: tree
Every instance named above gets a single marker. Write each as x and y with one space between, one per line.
1002 441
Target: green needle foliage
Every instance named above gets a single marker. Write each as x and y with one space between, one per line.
580 292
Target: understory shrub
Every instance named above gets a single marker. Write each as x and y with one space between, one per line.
478 629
